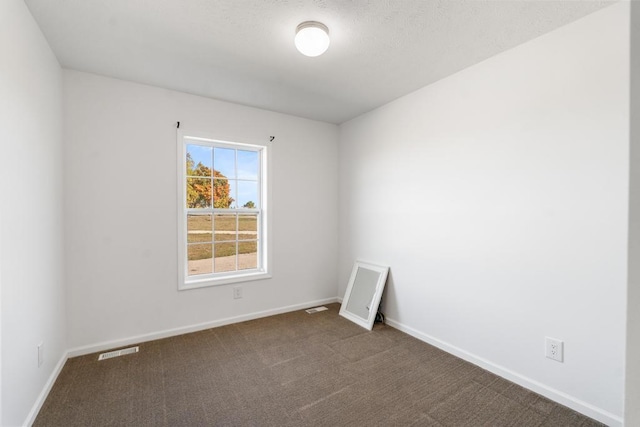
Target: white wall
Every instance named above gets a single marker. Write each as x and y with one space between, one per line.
33 296
632 392
120 181
498 196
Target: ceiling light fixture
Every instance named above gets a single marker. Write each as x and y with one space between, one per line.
312 38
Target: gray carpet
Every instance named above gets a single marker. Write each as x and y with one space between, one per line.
295 369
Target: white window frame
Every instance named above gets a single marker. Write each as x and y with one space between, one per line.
214 279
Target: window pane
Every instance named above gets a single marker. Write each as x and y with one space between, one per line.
200 260
248 255
225 257
225 227
221 211
199 160
224 162
199 228
223 194
198 192
248 165
248 194
247 227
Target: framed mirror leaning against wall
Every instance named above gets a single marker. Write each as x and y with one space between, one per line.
364 292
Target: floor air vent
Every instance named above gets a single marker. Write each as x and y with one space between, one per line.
316 309
116 353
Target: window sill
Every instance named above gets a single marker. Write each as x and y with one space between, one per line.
212 281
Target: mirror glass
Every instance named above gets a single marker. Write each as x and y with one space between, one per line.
364 291
364 287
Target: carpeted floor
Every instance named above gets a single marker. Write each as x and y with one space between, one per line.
295 369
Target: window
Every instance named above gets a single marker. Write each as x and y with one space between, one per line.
222 199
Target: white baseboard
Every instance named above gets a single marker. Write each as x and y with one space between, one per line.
108 345
45 391
535 386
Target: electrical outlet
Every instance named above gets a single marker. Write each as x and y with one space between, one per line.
554 349
237 292
40 354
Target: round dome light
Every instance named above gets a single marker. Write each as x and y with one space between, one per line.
312 38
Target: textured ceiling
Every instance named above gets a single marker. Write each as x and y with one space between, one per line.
242 50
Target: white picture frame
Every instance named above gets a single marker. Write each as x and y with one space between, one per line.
364 293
